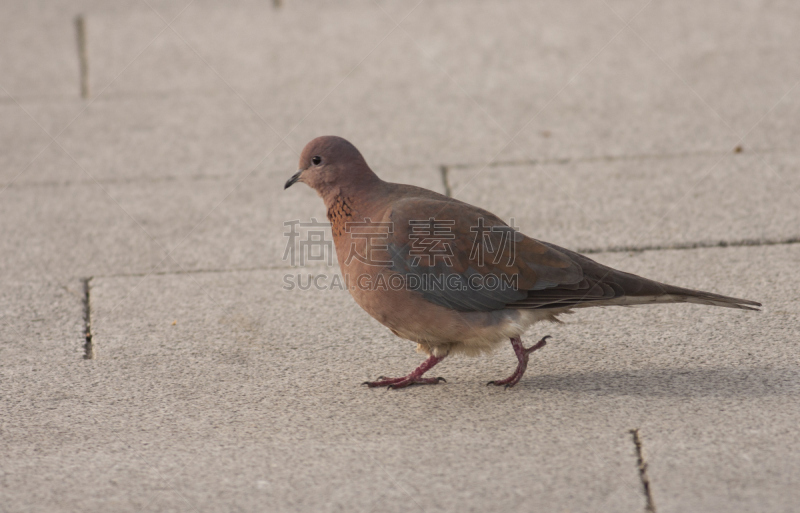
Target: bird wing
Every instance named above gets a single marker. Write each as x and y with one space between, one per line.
467 259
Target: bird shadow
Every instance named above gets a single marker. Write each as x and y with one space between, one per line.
673 382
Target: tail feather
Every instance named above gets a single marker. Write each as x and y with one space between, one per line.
741 304
701 297
642 291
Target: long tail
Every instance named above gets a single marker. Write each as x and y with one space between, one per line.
634 290
700 297
672 294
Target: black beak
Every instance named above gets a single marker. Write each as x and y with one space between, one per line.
291 181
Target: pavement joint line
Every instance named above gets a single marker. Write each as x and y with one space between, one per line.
678 246
738 150
200 271
641 464
88 346
444 170
207 93
121 181
577 204
693 245
83 55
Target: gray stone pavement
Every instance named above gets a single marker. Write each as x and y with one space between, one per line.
596 125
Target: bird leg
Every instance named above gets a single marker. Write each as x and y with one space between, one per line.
522 357
415 378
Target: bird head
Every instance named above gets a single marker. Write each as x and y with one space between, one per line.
330 163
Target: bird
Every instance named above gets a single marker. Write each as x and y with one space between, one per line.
455 278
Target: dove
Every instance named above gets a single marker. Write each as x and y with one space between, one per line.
455 278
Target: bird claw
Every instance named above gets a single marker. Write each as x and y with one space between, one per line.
500 383
415 378
396 383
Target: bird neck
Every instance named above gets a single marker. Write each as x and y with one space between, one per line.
351 202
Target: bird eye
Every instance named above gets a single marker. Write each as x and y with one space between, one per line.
316 160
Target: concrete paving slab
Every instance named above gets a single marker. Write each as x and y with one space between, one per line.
639 202
207 375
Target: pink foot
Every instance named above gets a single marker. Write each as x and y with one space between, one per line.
415 378
522 357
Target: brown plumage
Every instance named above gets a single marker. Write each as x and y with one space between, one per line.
453 277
